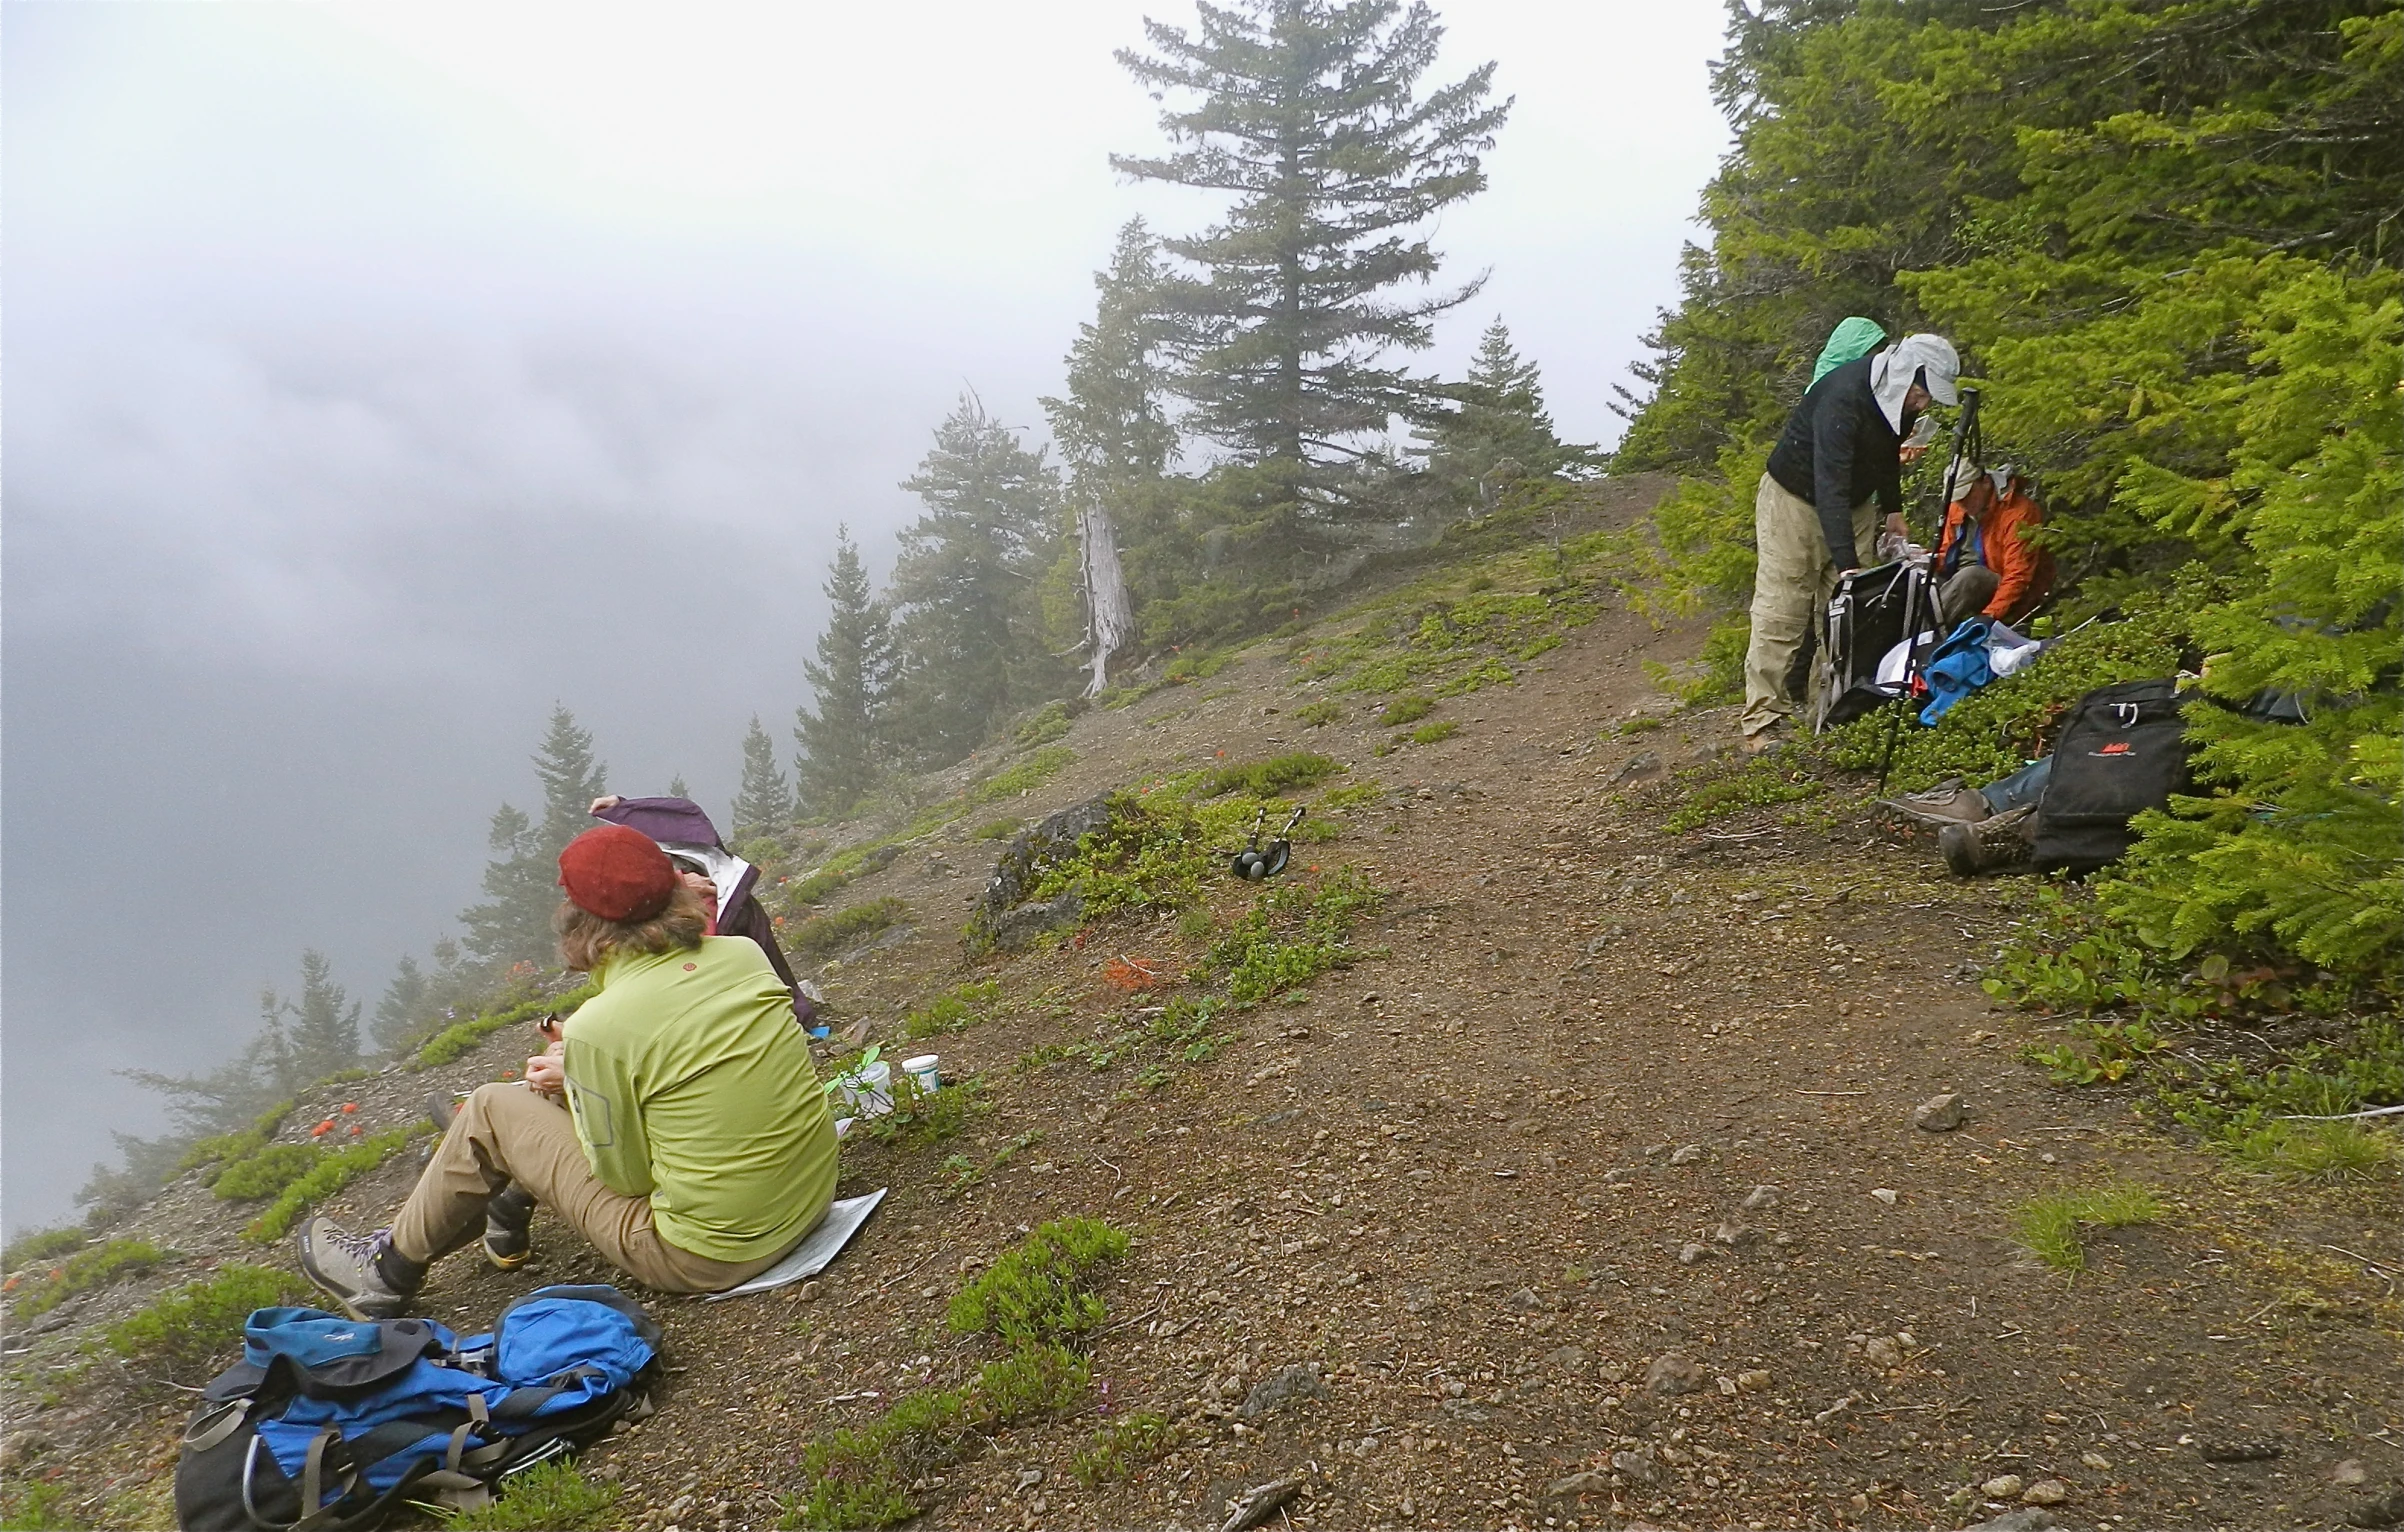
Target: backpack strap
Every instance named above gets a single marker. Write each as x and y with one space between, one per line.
216 1424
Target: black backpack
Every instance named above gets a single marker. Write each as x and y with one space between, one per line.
2123 751
329 1425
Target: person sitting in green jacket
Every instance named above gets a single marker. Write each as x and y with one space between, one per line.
679 1127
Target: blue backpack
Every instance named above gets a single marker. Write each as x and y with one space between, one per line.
327 1424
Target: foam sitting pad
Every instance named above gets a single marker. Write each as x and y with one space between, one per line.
817 1251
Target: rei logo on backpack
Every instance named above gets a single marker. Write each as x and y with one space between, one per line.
328 1424
2123 751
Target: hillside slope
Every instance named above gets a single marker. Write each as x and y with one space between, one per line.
1581 1177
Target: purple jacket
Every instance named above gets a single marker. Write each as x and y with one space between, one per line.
679 825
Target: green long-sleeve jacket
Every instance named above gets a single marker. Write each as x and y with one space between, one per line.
691 1085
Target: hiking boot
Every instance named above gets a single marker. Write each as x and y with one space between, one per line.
1944 804
1763 741
509 1229
365 1275
2000 843
442 1106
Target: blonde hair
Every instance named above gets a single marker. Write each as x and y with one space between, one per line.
586 940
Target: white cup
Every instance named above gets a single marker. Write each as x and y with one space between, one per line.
922 1070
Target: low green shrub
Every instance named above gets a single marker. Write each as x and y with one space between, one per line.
1039 1292
1759 784
190 1333
1318 715
457 1041
331 1174
1431 733
1121 1447
1281 774
2048 1227
1406 709
89 1270
995 829
1049 723
2327 1153
817 940
266 1171
43 1245
1028 775
1035 1297
921 1118
1291 935
226 1147
549 1497
954 1011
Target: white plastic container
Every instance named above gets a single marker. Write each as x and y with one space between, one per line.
923 1071
866 1092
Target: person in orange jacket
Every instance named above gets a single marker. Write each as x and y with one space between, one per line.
1987 561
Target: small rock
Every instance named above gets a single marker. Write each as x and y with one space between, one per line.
1887 1195
808 1293
1686 1154
2045 1492
1672 1374
2005 1486
1260 1504
1638 1467
1727 1386
2094 1460
1613 1372
1642 764
1298 1382
2015 1521
1939 1114
1882 1353
2379 1512
1761 1197
1754 1381
1691 1254
1732 1234
1587 1483
1028 1478
1527 1301
2348 1472
1618 1177
1570 1359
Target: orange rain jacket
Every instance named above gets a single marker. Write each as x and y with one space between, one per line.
2000 540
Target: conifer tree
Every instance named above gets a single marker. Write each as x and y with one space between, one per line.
764 802
969 626
513 924
1496 418
401 1014
676 787
571 780
323 1033
1309 116
1114 432
842 745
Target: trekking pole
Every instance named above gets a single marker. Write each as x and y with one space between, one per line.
1968 443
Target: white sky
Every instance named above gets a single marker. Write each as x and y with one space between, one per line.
371 370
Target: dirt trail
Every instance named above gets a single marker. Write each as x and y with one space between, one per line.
1594 1195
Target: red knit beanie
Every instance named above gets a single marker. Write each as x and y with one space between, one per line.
617 874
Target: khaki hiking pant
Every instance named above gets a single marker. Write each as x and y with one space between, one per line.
506 1133
1791 586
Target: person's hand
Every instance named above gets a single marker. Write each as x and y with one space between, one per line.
546 1074
611 801
1897 525
1912 452
702 886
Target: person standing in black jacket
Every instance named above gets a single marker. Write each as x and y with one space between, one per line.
1812 515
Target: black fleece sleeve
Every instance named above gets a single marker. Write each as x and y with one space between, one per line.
1835 431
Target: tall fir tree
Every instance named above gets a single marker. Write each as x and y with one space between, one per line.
842 746
1114 432
1309 117
571 778
323 1027
402 1012
764 801
513 924
969 629
676 787
1491 420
